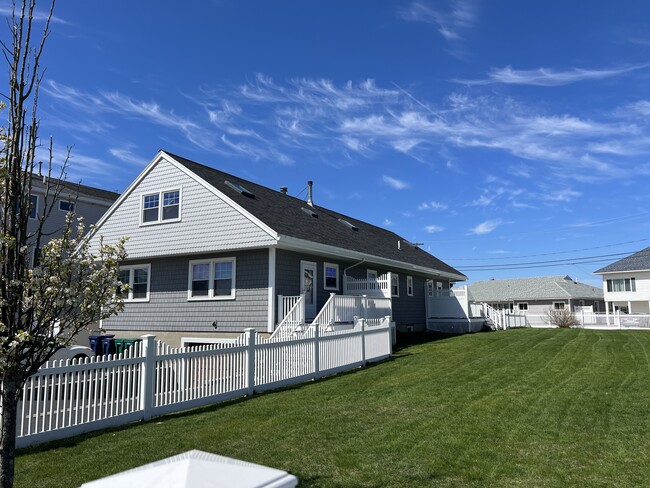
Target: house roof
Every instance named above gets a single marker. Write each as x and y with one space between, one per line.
290 216
635 262
538 288
74 189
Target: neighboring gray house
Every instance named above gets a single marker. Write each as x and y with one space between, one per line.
537 295
84 201
210 253
626 283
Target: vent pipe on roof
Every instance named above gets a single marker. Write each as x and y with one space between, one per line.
284 190
310 200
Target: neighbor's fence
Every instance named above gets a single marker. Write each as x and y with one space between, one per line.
64 399
503 319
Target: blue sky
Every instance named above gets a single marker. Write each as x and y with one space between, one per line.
494 133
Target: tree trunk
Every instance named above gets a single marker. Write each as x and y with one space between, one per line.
9 398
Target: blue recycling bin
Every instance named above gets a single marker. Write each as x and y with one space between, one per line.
108 344
96 343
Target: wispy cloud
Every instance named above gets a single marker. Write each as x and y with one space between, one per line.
450 22
485 227
432 205
433 229
388 222
126 155
285 122
549 76
39 15
395 183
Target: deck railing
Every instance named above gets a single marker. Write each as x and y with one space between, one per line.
67 398
370 287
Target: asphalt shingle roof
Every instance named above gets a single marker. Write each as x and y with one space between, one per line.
538 288
73 189
635 262
285 215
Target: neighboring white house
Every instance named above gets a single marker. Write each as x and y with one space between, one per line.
626 283
537 295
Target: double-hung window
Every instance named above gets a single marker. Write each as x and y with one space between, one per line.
394 285
331 276
212 279
137 279
164 206
558 305
409 286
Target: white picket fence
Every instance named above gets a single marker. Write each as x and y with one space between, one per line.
67 398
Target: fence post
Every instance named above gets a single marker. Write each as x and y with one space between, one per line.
316 351
363 341
364 304
250 339
147 374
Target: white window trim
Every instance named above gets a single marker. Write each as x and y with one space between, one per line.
409 286
131 268
396 276
563 306
160 206
519 309
211 296
67 201
330 265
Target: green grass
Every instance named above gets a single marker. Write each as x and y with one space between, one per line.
515 408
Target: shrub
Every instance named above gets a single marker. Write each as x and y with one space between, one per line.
562 318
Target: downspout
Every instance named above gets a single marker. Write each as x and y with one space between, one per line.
345 273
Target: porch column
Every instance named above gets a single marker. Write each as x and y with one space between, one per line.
607 312
629 307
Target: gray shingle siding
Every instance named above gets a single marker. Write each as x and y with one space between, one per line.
288 279
169 309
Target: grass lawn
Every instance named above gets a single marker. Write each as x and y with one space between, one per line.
527 407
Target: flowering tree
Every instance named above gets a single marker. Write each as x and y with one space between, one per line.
43 304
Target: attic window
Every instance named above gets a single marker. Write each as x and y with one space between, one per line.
240 189
349 225
309 212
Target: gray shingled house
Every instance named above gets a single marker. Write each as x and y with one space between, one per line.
537 295
84 201
210 254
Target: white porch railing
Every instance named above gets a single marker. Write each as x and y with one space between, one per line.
503 320
370 287
68 398
294 318
344 309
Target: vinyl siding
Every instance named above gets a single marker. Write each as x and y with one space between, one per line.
169 309
207 223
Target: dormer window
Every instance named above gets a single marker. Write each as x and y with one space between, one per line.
164 206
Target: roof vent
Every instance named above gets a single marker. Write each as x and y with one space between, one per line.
348 224
310 199
309 211
284 190
240 189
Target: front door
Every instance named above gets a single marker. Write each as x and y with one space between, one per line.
308 287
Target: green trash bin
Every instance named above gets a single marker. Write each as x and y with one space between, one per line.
122 345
